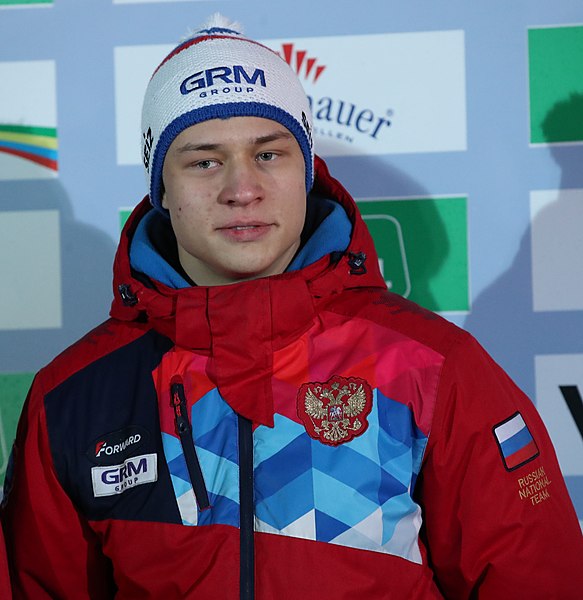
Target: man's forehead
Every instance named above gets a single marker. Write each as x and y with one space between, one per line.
246 130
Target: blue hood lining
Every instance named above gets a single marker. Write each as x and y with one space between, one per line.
153 247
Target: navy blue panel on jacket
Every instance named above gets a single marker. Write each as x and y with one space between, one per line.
119 393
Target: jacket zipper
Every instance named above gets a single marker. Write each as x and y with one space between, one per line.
247 510
184 432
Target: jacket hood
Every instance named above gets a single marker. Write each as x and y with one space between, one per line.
276 309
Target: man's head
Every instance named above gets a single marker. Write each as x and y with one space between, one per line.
235 192
217 74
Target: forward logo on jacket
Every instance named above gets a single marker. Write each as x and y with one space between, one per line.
116 446
335 412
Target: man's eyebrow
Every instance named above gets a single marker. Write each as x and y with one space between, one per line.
264 139
189 147
272 137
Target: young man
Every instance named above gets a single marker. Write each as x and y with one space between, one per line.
260 417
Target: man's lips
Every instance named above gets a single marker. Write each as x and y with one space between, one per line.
245 231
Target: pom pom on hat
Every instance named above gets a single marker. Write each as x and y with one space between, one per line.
217 73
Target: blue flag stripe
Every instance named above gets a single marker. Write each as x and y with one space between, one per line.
518 441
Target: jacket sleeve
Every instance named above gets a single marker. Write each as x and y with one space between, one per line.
5 591
52 552
498 520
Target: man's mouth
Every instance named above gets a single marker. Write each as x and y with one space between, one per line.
246 232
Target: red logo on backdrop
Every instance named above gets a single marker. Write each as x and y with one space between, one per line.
305 66
335 412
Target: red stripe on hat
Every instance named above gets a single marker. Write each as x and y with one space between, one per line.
204 38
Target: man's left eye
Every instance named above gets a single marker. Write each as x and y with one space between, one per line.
266 156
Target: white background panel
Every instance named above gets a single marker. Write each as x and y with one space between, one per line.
557 249
30 270
32 97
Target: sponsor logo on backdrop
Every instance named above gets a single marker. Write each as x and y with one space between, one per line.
346 118
370 94
379 94
559 388
574 401
28 132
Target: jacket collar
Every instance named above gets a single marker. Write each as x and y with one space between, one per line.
239 326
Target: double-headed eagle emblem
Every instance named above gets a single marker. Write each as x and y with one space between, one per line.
335 412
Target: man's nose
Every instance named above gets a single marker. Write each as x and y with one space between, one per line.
241 184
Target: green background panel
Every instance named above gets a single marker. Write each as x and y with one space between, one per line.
13 390
124 213
422 245
556 84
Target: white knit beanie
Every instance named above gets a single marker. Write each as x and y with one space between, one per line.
216 74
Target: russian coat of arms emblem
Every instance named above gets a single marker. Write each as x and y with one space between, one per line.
335 412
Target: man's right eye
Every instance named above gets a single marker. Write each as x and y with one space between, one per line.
206 164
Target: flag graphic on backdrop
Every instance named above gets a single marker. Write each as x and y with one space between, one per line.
35 144
28 121
369 113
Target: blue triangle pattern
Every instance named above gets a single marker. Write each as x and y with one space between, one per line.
273 474
397 420
327 527
177 467
288 504
389 487
208 412
216 431
223 511
267 443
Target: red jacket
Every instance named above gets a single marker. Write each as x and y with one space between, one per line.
308 435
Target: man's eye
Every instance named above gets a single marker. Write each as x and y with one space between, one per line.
206 164
266 156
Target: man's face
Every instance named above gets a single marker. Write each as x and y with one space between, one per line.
235 190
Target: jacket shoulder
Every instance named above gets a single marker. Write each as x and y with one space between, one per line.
402 316
101 341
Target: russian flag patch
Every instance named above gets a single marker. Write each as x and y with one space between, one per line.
515 442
